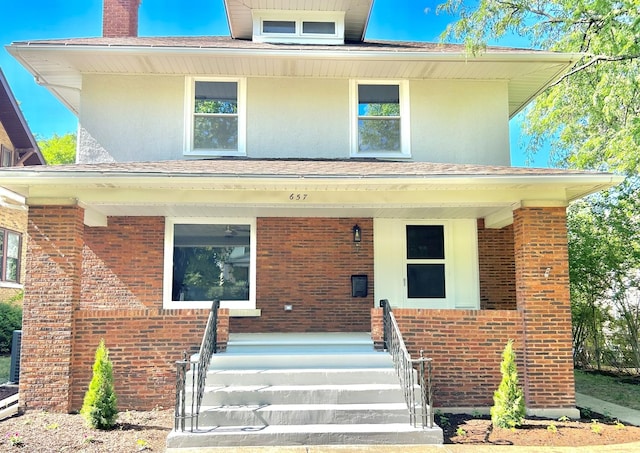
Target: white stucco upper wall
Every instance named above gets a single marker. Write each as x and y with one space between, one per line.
134 118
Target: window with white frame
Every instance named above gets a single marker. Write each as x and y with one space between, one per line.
215 117
304 27
207 260
380 119
425 258
10 245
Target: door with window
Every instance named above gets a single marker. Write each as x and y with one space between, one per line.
426 263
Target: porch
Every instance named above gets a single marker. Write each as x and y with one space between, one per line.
302 389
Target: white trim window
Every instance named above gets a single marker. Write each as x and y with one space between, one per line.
215 117
303 27
380 119
209 259
10 253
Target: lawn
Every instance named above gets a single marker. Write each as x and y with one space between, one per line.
622 390
5 362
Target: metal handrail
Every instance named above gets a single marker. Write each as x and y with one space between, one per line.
406 369
208 347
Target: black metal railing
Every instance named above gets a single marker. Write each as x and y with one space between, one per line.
412 372
208 347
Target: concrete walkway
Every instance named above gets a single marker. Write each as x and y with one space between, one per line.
623 414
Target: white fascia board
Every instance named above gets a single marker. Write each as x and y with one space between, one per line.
304 51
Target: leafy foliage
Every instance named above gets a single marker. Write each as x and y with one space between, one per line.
10 320
100 402
604 258
591 117
508 409
59 149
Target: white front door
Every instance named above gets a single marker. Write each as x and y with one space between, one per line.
426 264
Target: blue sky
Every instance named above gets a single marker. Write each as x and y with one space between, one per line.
47 19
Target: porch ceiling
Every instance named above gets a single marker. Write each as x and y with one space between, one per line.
240 188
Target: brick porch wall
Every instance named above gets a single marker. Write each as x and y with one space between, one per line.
308 262
466 348
541 244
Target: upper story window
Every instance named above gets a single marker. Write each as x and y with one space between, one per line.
303 27
6 157
215 117
380 119
10 243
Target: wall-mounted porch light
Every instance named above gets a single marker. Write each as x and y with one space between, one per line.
357 234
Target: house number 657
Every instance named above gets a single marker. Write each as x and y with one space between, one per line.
298 196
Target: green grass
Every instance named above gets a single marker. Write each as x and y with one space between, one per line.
5 362
608 388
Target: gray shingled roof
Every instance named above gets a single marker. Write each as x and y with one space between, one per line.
352 168
226 42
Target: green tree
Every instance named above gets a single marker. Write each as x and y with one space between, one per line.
508 408
100 402
604 258
58 149
590 118
10 320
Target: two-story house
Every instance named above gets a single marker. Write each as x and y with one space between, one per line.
18 148
266 169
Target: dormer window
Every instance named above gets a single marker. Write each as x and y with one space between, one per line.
298 27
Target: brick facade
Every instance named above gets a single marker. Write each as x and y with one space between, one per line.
52 292
466 348
496 265
120 18
542 288
295 258
88 283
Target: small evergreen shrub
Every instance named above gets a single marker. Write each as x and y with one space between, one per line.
508 409
100 408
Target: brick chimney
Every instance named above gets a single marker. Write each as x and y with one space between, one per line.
120 18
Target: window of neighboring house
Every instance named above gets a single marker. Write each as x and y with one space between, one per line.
6 157
10 244
380 125
215 117
208 260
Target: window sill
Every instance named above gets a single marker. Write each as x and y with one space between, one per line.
245 313
381 155
11 285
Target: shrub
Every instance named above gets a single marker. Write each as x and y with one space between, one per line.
508 400
10 320
100 402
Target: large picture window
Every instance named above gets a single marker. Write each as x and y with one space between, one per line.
380 119
215 117
208 261
10 246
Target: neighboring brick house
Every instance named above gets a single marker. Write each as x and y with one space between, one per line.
261 153
18 148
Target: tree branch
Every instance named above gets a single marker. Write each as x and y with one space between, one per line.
594 60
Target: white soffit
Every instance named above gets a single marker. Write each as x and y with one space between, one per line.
60 67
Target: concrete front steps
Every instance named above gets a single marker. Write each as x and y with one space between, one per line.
303 389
